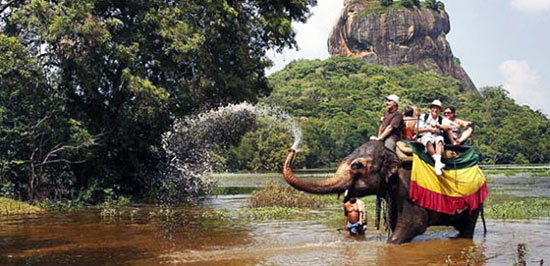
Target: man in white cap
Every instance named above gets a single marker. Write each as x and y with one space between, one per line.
429 130
390 130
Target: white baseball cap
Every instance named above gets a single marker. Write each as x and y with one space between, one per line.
436 103
394 98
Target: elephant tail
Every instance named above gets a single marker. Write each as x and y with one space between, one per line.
483 220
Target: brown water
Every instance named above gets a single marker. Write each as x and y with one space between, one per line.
192 238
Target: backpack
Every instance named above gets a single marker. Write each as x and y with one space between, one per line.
439 118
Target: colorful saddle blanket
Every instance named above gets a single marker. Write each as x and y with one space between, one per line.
462 184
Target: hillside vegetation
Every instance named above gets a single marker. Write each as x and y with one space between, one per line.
338 103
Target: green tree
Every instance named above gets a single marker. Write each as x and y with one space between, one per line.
38 140
386 2
432 4
440 5
407 3
128 68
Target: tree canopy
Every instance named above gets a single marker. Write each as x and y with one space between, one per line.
115 74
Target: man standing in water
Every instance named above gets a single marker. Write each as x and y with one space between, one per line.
392 122
354 216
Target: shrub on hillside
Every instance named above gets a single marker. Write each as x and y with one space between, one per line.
386 2
407 3
432 4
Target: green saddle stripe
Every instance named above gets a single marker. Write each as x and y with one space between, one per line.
466 160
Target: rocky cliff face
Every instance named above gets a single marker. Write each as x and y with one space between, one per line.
396 36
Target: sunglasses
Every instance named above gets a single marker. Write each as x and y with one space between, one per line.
447 113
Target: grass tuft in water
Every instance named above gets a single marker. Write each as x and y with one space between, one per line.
113 207
14 207
276 195
217 214
62 206
524 208
275 212
472 255
164 212
533 172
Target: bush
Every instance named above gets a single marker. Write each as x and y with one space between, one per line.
407 3
386 2
440 5
432 4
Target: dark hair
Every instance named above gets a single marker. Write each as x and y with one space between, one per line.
409 111
352 200
453 109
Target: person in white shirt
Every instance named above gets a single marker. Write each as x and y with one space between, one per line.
429 130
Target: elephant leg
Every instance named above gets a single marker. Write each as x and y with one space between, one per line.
405 233
467 225
412 221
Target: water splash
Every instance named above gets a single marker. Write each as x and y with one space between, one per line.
191 143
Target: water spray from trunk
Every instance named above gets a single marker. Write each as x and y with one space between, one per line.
190 146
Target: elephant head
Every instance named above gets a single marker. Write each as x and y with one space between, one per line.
362 173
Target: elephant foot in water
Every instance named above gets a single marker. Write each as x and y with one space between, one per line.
466 225
405 233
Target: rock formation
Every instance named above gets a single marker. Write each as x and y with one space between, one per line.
396 35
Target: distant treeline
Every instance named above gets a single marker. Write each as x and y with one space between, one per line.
339 101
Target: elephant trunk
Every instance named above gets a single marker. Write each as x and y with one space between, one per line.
335 184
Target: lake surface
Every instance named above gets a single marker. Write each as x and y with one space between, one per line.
213 233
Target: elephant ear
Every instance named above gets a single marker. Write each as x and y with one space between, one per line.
390 165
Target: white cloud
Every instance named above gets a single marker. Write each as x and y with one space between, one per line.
311 37
531 5
524 84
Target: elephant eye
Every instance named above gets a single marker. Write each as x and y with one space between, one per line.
356 165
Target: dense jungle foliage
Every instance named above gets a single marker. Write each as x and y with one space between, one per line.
88 87
338 103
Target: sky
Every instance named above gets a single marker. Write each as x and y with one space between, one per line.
499 42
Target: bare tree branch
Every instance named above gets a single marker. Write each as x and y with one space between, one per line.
64 161
58 148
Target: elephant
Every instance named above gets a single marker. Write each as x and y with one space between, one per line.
373 169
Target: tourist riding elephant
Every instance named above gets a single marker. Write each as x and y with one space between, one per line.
374 170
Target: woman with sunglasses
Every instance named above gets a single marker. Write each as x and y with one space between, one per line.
452 125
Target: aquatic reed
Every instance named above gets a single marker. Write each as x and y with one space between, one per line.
275 194
14 207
